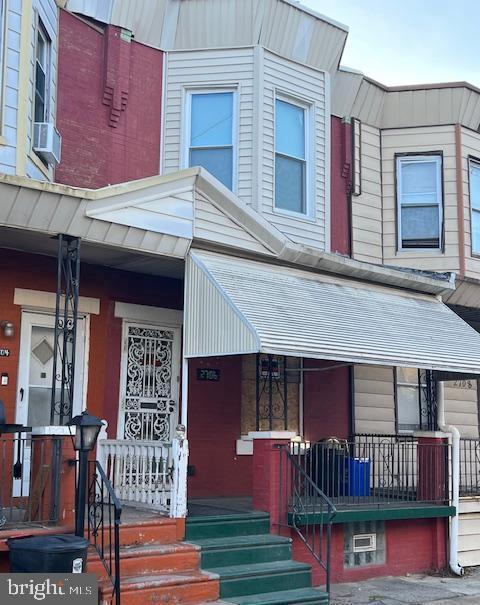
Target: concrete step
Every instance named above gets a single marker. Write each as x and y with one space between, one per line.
168 589
242 550
258 578
150 559
221 526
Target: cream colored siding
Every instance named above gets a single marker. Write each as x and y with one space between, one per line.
344 89
470 147
212 224
374 400
469 532
420 140
306 85
368 105
461 406
231 68
367 207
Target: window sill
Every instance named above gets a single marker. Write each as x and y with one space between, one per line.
297 216
410 253
47 172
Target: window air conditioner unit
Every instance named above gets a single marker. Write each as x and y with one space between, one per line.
47 142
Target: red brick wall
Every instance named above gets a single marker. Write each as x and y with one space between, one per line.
340 168
214 410
109 102
412 546
109 285
326 401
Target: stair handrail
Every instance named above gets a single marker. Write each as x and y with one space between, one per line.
101 496
302 505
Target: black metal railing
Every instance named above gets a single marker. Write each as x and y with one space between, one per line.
377 470
469 467
104 518
30 484
307 510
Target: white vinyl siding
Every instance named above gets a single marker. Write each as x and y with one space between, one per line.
461 406
367 228
224 69
419 202
282 78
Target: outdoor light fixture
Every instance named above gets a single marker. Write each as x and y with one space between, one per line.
87 428
8 329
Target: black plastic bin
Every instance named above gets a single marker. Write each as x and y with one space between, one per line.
328 469
44 554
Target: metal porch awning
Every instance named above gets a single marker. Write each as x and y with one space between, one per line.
236 306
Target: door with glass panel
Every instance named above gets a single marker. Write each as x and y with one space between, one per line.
35 381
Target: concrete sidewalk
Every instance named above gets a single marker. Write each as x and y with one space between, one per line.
411 590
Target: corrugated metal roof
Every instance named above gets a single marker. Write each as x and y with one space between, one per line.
279 310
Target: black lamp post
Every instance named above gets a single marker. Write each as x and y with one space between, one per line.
87 428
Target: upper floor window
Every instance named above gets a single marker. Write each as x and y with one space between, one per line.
419 201
42 74
415 399
211 133
290 156
474 168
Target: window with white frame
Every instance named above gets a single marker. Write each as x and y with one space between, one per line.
291 156
419 201
43 53
414 399
211 133
474 174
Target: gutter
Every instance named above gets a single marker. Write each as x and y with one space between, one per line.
453 563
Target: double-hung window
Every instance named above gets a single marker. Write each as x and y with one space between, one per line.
419 202
42 74
414 399
474 169
290 156
211 133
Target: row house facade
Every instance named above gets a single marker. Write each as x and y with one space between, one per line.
258 270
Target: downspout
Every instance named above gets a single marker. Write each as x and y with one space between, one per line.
454 521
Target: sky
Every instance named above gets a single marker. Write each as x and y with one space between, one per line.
409 41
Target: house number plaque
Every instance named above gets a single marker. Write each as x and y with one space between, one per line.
4 352
208 374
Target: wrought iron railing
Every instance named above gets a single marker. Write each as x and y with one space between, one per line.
307 510
377 470
30 480
104 518
469 467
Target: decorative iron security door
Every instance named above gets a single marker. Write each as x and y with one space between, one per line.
149 401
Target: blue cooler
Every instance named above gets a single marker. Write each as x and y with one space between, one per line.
357 476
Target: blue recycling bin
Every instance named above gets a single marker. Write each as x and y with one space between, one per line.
357 476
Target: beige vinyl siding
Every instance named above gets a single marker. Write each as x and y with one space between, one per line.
470 147
461 406
308 86
213 225
231 68
367 207
374 400
420 140
469 532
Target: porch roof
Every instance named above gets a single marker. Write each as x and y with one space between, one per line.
236 306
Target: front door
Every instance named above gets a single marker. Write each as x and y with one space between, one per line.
149 395
35 379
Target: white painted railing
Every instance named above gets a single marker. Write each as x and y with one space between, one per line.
148 473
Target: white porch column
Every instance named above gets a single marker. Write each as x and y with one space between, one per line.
178 501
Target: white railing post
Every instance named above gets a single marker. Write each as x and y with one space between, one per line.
178 501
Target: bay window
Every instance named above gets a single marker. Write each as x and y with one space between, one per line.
290 156
474 175
419 202
211 133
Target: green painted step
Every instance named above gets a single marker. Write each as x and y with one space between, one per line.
301 596
236 580
242 550
221 526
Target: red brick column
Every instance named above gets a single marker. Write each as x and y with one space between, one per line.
431 464
267 465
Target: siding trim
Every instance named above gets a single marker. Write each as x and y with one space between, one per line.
460 198
23 86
